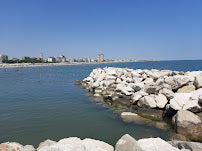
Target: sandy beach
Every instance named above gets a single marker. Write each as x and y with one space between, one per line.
21 65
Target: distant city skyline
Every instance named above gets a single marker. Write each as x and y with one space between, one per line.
160 30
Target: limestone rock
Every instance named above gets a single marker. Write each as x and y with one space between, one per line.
76 144
171 82
147 101
96 95
150 113
151 89
161 101
88 79
137 80
184 116
188 124
200 99
181 80
11 146
156 144
178 137
138 86
198 81
183 101
179 100
46 143
98 90
127 143
107 83
186 89
96 145
118 80
78 82
168 93
160 81
135 74
28 148
135 118
136 97
120 87
195 94
148 81
193 146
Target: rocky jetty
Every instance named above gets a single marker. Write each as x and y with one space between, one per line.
125 143
157 94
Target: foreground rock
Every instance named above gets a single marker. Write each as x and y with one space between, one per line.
188 124
76 144
193 146
128 143
155 144
125 143
13 146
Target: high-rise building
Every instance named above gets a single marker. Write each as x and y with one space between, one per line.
100 57
25 58
51 59
63 58
3 58
41 56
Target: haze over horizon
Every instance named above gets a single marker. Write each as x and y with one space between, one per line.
120 29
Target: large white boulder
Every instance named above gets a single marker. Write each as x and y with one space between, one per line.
155 144
198 81
138 86
148 81
76 144
147 101
184 116
127 143
111 71
120 87
11 146
161 101
171 82
179 101
184 101
195 94
188 124
46 143
186 89
135 74
136 96
160 81
107 83
167 92
181 80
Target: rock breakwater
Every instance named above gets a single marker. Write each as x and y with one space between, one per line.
158 94
125 143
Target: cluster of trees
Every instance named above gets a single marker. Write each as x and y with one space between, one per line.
31 60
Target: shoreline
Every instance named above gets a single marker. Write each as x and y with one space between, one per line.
22 65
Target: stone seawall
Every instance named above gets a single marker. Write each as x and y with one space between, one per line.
156 94
125 143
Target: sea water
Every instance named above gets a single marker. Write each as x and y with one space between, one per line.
39 103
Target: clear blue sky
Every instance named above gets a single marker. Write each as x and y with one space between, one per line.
120 29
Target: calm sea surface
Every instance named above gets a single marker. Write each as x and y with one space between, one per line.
42 103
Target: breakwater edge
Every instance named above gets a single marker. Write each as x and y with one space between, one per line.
154 95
